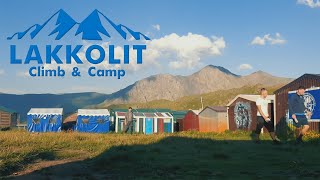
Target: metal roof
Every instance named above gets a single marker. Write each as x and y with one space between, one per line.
196 112
7 109
250 98
316 76
216 108
46 111
93 112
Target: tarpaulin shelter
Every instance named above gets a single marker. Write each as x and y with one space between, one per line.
44 119
93 120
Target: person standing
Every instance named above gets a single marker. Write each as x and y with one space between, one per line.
263 118
129 121
299 113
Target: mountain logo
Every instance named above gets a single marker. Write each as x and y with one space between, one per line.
91 28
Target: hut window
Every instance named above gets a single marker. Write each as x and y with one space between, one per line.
36 120
85 121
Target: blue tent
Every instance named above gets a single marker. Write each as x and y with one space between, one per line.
93 120
44 119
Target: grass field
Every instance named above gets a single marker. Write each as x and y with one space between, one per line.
184 155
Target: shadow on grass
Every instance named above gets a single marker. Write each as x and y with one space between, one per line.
192 158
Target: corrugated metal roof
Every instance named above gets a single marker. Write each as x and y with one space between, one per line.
45 111
121 113
250 98
217 108
149 114
316 76
7 109
93 112
195 111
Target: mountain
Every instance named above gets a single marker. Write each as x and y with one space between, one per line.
91 27
169 87
216 98
69 102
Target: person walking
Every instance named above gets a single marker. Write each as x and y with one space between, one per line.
263 118
299 113
129 121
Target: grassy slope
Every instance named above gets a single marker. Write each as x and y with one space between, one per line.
220 98
180 155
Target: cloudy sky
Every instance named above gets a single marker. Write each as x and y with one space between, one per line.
244 36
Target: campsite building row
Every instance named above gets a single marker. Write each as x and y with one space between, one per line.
146 121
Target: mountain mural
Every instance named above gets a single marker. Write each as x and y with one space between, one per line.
91 27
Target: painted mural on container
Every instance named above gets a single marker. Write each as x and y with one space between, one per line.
242 115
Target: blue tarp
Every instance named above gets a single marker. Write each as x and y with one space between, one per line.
44 123
312 102
93 124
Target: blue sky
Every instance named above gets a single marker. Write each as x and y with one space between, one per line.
278 37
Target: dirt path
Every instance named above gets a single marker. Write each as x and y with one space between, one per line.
51 170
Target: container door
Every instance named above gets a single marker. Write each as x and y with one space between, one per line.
167 125
149 125
160 126
121 125
140 124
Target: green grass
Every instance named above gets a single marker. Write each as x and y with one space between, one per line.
184 155
216 98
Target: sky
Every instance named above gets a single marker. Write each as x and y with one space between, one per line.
244 36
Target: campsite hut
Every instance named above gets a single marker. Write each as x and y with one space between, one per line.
178 120
8 117
213 119
139 121
120 117
190 121
242 111
69 123
164 122
281 98
44 119
93 120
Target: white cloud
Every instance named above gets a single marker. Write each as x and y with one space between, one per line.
245 67
181 51
268 39
310 3
156 27
1 71
184 51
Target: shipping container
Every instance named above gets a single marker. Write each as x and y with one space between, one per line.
213 119
191 121
8 117
281 99
242 112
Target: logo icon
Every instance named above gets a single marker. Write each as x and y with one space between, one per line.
309 101
93 27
